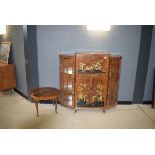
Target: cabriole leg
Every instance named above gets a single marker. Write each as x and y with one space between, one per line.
36 104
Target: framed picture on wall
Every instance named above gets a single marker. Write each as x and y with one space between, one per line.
4 51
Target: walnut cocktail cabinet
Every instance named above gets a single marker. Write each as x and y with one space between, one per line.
89 80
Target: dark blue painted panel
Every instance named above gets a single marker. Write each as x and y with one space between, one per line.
151 66
143 61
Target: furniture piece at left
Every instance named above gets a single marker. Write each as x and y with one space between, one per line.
45 94
7 77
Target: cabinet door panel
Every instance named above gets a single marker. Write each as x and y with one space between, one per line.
91 79
67 81
114 76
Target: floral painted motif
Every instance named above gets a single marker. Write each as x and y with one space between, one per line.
97 100
80 90
96 67
99 94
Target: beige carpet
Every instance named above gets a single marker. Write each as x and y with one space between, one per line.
17 112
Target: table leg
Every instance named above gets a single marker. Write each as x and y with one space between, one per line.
36 104
56 105
1 93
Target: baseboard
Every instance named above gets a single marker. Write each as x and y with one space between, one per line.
49 102
147 102
125 102
130 102
20 93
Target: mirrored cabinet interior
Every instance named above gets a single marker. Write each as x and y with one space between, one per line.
89 80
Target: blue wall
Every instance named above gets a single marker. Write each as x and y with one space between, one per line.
15 35
53 40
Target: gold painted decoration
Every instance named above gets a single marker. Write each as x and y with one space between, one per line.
84 100
81 88
99 94
96 67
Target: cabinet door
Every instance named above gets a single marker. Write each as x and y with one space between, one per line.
67 81
114 76
91 79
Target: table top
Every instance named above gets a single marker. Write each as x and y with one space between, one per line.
45 93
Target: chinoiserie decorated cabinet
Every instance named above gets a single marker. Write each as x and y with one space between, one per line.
89 80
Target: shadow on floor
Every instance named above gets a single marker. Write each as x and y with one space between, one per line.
36 123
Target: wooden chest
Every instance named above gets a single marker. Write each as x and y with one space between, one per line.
7 76
89 80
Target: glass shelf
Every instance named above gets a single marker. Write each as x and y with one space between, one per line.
70 100
68 70
68 87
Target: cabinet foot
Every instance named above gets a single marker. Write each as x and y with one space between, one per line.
103 111
6 92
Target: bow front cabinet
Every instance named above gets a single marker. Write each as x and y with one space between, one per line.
89 80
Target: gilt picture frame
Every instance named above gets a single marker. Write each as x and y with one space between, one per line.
5 51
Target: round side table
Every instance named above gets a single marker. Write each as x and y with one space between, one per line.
45 93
